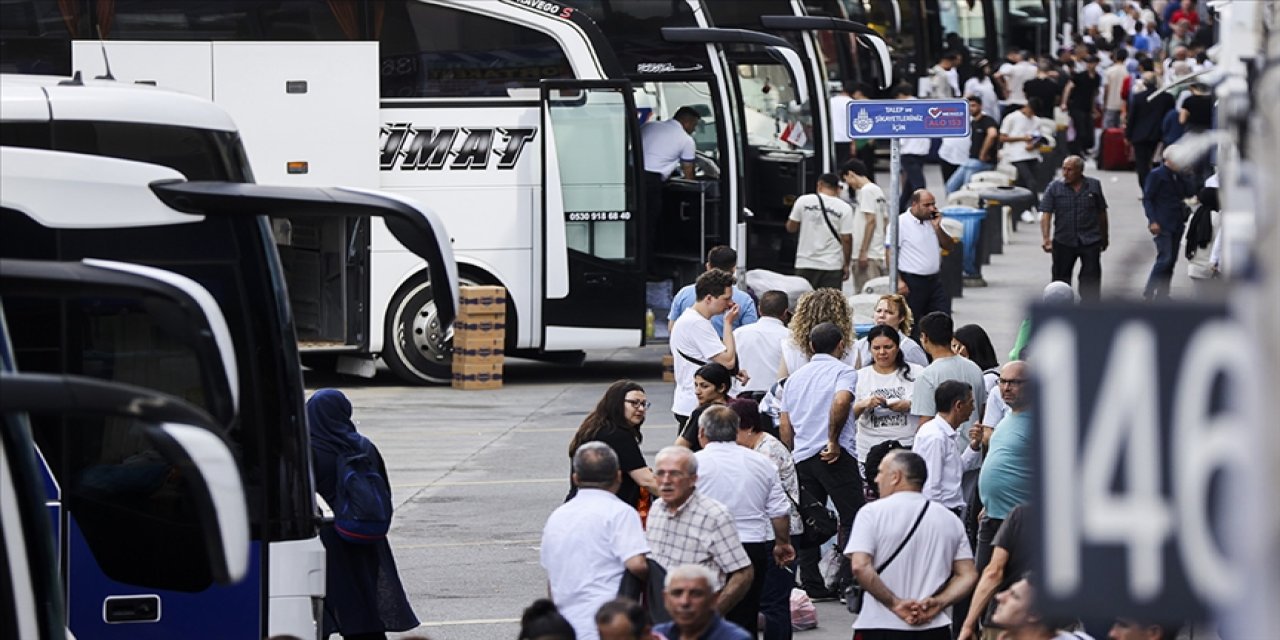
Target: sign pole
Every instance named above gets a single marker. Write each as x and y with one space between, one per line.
895 186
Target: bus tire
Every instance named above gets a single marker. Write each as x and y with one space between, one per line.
416 347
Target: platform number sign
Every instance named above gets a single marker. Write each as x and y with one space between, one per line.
1140 427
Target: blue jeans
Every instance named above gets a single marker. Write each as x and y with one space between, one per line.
775 601
1162 271
961 177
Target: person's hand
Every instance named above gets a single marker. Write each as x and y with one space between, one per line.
1154 228
936 221
731 313
907 610
903 289
1047 245
929 608
967 633
844 272
975 436
863 263
830 453
1031 145
742 376
900 405
783 554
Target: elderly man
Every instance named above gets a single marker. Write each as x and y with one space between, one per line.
690 597
1073 226
1162 198
747 484
687 527
920 255
932 565
589 542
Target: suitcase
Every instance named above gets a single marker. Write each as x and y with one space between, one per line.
1114 152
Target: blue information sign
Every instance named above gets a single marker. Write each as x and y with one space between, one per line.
908 119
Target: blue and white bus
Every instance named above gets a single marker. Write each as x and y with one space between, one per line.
72 188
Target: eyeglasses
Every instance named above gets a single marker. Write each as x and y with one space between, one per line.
1012 382
639 404
662 473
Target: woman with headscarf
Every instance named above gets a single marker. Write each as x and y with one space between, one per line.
363 595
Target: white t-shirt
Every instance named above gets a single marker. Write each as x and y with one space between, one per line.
914 146
954 150
692 334
1090 15
919 252
983 88
871 202
840 118
1112 86
817 248
585 545
759 347
1018 124
1016 75
666 145
924 564
880 424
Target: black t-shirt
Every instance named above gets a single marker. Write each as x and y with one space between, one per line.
630 458
690 430
1199 111
1085 92
1045 91
1012 537
979 137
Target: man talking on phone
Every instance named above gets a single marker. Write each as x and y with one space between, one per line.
920 257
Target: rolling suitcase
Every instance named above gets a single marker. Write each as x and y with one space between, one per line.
1114 151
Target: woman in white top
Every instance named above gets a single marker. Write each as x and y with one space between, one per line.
892 310
813 309
882 397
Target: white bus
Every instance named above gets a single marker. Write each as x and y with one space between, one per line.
515 120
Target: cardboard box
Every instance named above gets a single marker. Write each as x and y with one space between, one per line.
668 368
477 352
480 301
482 324
486 374
465 339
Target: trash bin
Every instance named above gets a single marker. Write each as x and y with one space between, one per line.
952 272
1017 198
971 218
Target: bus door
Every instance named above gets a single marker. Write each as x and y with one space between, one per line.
131 551
593 234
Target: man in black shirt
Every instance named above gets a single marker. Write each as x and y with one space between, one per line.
1073 223
1045 88
984 133
1079 100
1010 560
1142 128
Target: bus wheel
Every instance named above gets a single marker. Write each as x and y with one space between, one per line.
416 347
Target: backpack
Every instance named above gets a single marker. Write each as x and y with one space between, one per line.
362 503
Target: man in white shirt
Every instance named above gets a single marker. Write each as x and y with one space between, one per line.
747 484
760 343
1020 135
920 256
589 542
668 146
870 219
816 408
1113 80
934 568
694 341
1014 74
825 225
839 113
1090 15
944 451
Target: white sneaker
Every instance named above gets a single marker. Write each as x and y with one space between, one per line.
1028 216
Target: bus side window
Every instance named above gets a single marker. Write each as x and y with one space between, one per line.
436 52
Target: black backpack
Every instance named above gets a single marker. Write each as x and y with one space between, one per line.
362 502
875 455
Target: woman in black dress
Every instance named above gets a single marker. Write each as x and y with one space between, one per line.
616 422
363 595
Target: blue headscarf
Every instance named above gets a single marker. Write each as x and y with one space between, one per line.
329 421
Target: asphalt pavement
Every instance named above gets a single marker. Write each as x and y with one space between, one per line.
475 473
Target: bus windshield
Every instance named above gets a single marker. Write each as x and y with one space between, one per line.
774 119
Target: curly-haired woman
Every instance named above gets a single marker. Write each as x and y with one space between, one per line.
813 309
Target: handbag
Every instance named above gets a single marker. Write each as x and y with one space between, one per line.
854 602
820 523
826 218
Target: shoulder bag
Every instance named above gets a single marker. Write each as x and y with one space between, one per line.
856 592
819 522
827 218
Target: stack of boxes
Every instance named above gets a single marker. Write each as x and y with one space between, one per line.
479 336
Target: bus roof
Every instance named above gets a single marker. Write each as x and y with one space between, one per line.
45 98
